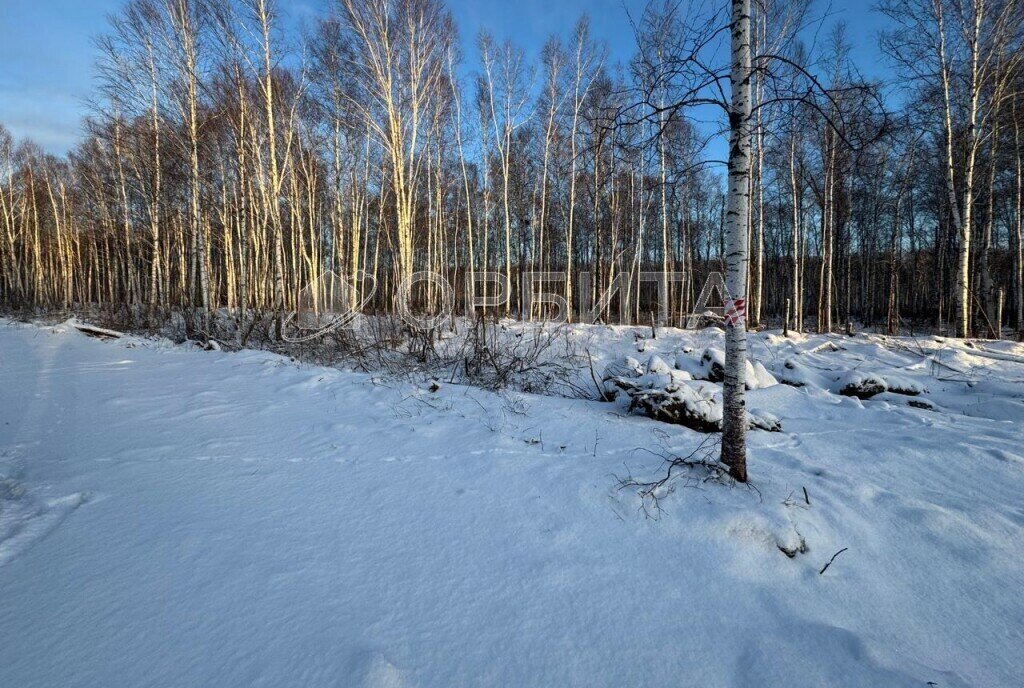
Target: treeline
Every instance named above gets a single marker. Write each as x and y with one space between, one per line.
227 165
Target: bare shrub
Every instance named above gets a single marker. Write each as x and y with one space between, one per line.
536 358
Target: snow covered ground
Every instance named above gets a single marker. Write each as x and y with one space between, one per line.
174 517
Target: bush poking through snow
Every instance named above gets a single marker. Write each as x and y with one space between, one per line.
542 360
697 469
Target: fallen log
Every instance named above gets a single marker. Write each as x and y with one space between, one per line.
97 332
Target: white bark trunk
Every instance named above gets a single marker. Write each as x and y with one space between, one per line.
1020 231
734 420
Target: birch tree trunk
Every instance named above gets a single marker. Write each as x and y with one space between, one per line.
893 313
989 292
961 220
185 31
263 19
157 184
795 190
457 103
570 227
553 57
1020 228
734 417
759 34
827 238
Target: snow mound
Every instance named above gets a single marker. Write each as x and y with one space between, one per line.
631 385
709 364
684 395
865 385
758 376
898 384
696 405
623 367
656 365
760 419
860 384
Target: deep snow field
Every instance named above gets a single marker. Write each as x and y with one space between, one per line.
176 517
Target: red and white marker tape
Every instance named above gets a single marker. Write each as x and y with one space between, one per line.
736 311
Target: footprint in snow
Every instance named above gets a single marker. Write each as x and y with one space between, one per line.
25 521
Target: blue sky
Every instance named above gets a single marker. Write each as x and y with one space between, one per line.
47 53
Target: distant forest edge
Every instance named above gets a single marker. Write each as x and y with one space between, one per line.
224 171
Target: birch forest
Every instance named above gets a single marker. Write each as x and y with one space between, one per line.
229 162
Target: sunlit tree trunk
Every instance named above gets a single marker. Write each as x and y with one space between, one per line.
797 298
1019 221
734 413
